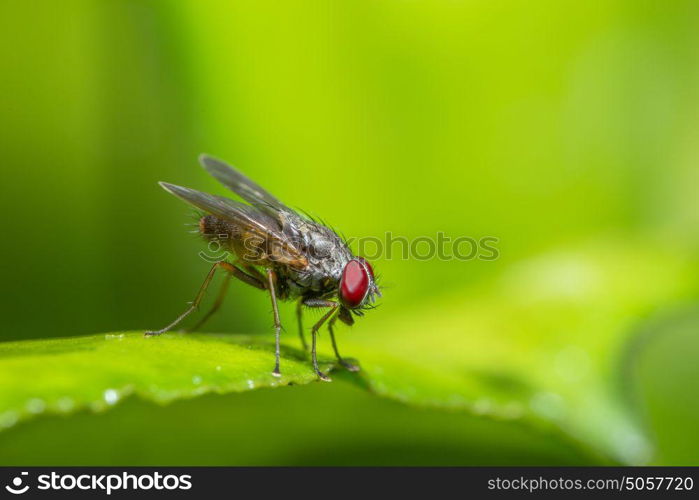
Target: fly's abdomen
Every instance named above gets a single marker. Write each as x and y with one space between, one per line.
213 228
243 243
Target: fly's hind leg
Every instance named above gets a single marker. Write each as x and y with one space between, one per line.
349 366
254 272
233 271
197 300
215 307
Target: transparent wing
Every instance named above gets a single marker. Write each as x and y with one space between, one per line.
242 185
251 219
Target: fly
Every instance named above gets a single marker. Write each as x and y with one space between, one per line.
276 249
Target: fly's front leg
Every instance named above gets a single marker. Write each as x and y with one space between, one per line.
277 324
350 366
299 317
197 300
314 331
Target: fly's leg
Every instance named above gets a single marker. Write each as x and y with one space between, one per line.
250 280
253 272
242 276
314 331
197 300
350 366
277 324
299 317
215 307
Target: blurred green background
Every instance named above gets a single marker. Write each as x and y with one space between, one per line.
568 130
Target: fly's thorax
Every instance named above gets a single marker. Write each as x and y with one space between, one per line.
322 275
320 244
325 252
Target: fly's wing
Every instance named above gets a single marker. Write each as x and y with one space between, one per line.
243 186
253 222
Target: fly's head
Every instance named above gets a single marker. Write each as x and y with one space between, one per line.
358 289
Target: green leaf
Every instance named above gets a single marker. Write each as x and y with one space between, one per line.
95 372
312 424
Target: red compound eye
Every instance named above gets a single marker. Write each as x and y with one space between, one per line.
367 265
354 283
